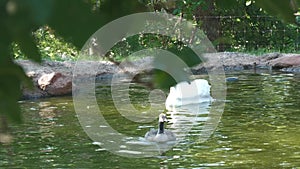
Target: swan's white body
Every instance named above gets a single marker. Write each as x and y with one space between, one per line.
197 91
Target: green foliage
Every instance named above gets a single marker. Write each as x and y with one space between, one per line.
249 28
145 41
282 9
50 46
188 8
226 4
53 47
247 25
243 25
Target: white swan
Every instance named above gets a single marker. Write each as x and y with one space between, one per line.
160 134
197 91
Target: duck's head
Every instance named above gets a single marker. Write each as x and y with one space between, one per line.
162 117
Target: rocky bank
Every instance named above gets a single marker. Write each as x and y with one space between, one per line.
52 78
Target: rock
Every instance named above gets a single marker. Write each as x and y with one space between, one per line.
51 78
232 79
55 83
270 56
289 60
33 93
45 80
291 69
229 61
6 138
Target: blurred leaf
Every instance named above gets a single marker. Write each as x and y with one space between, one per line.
186 55
225 4
11 76
75 21
40 11
163 80
175 65
29 47
279 8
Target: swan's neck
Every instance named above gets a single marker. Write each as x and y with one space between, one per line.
161 128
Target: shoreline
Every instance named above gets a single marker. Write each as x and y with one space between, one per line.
53 78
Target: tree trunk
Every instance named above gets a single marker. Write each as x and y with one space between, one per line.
209 21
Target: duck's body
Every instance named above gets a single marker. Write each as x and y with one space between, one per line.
160 134
154 136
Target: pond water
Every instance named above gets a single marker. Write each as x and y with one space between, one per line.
260 128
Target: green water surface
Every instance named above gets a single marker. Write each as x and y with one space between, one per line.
260 128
